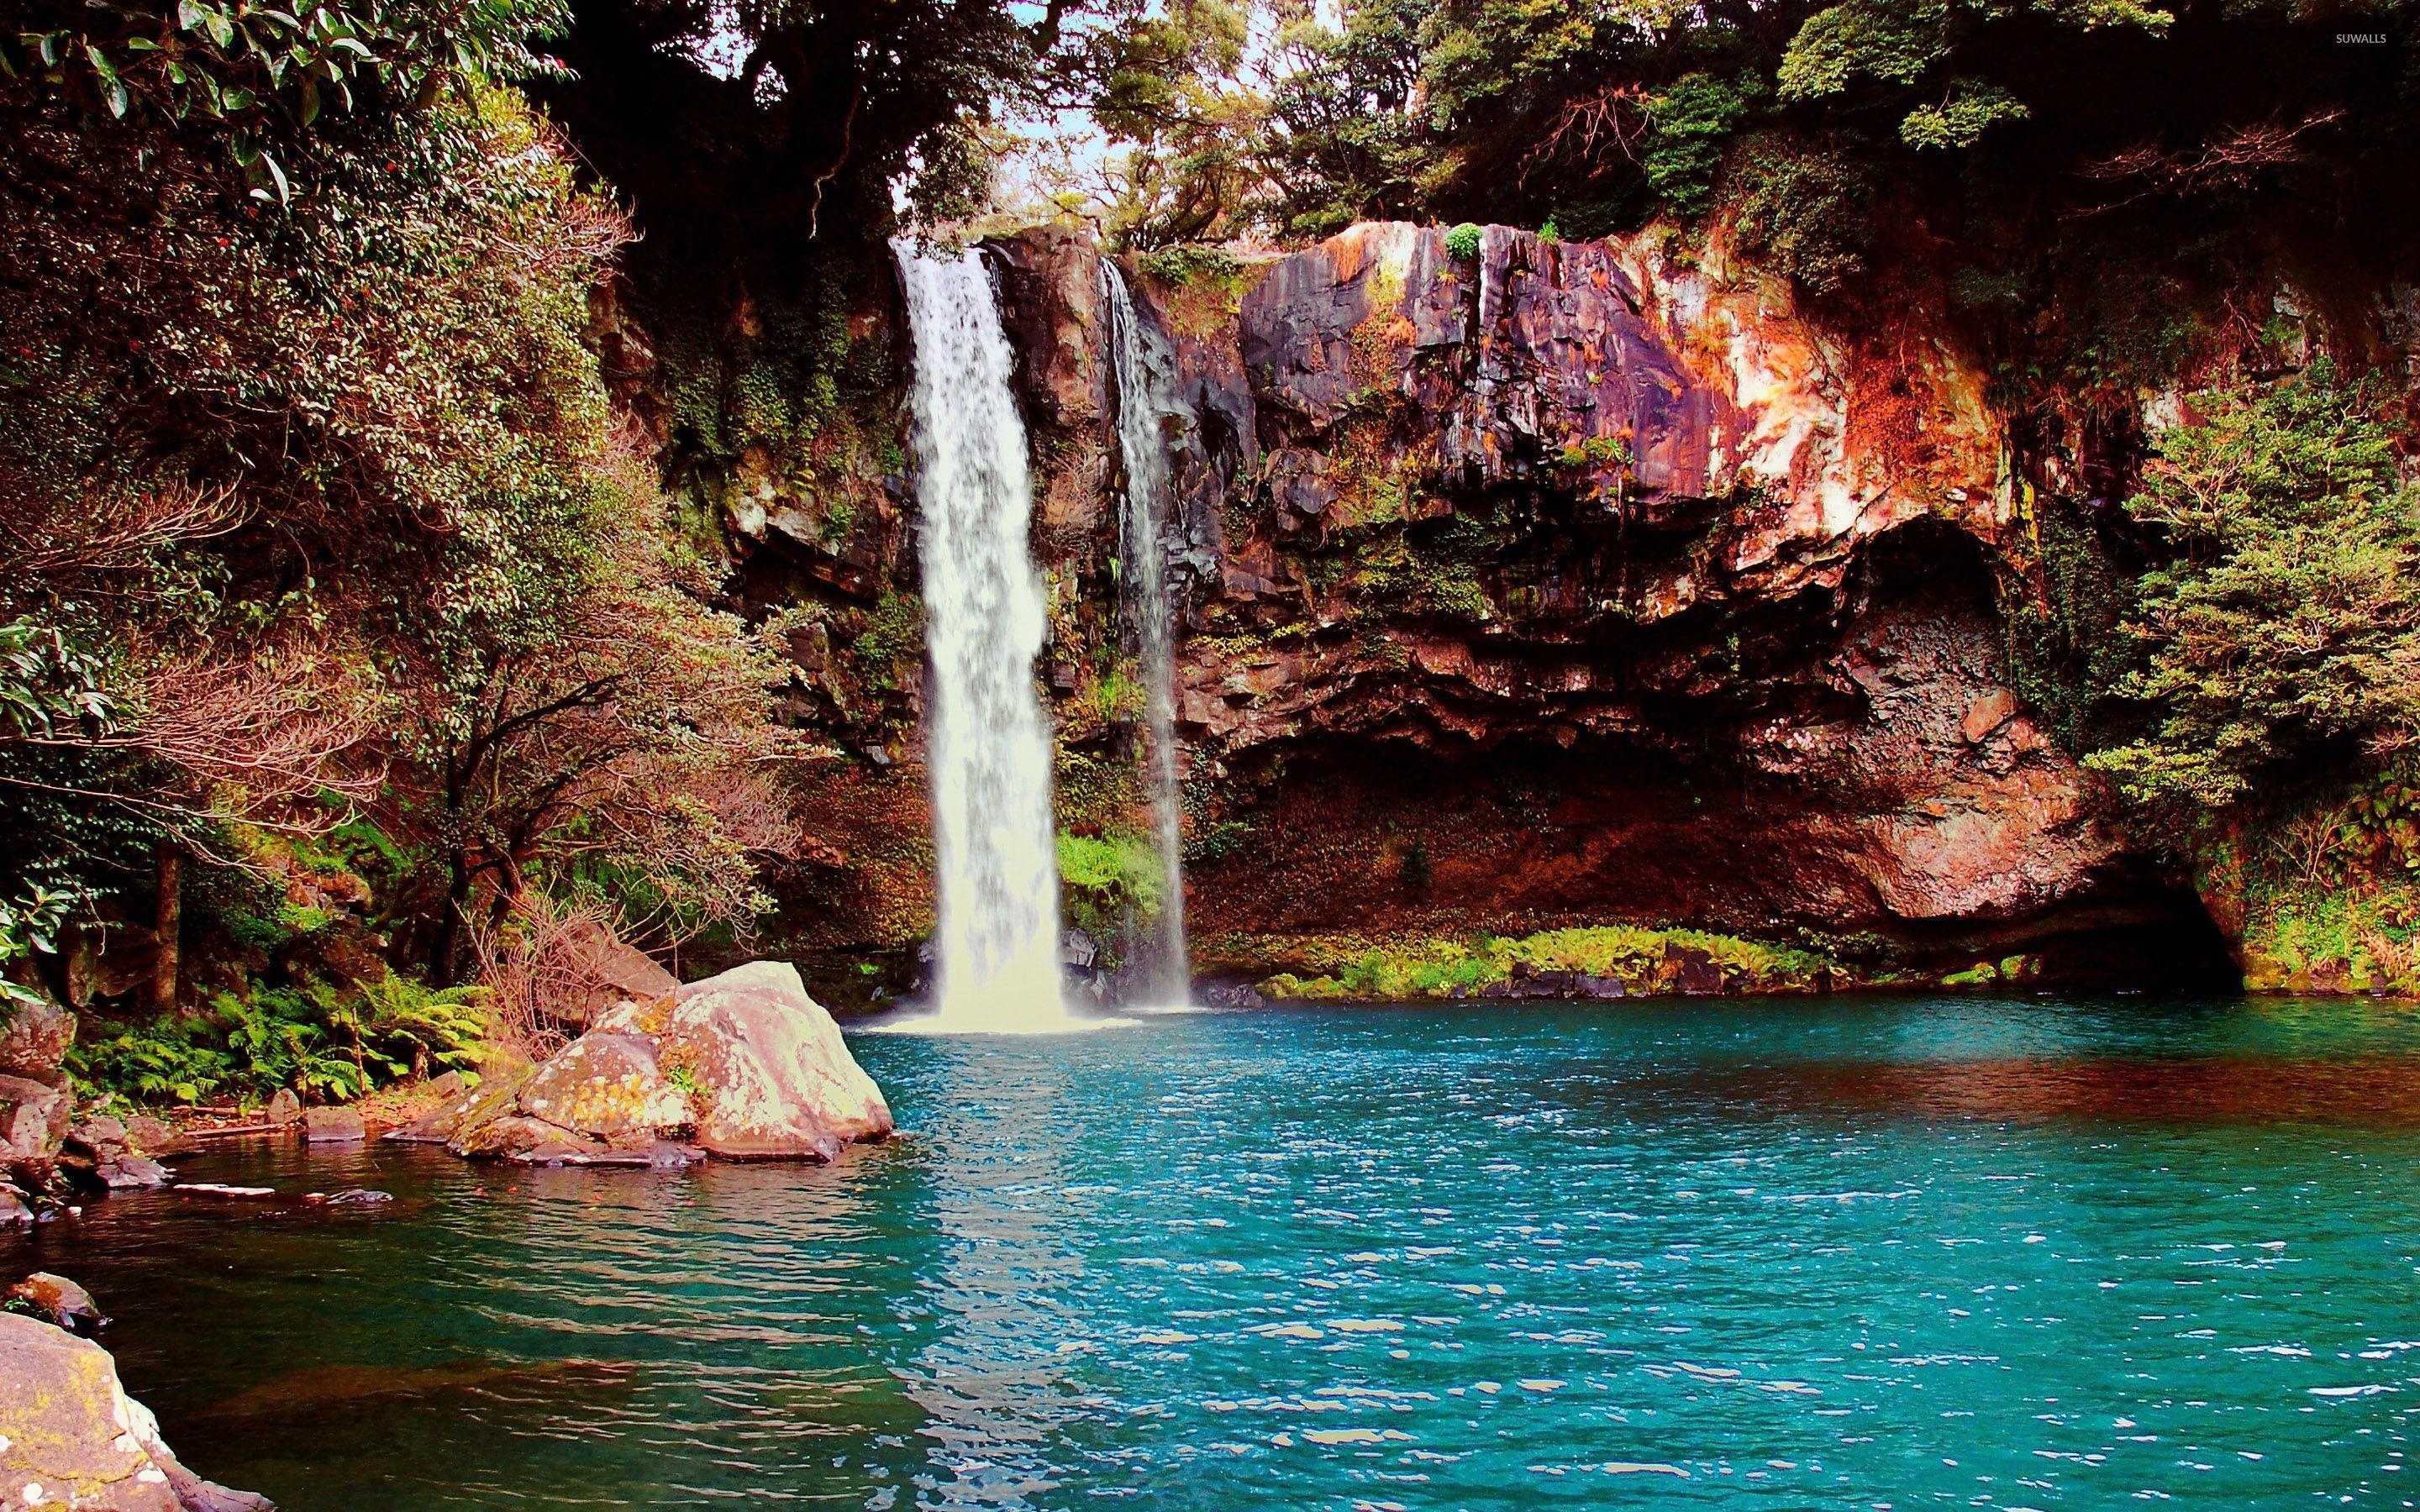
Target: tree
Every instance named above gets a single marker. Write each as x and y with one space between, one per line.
2282 639
306 469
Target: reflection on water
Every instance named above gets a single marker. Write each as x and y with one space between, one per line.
2374 1091
2033 1253
994 1386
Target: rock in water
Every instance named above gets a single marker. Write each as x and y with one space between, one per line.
608 1086
333 1126
75 1438
745 1064
774 1079
58 1302
284 1108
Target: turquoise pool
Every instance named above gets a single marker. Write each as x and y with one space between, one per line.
1842 1253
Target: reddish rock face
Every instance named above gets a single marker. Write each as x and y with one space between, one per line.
1606 513
1569 583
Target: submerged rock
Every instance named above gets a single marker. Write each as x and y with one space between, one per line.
75 1438
743 1066
351 1196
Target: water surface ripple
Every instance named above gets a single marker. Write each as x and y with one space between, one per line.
1844 1252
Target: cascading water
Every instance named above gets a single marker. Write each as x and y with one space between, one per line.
987 748
1162 973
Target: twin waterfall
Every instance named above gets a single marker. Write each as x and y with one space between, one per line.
1141 392
987 739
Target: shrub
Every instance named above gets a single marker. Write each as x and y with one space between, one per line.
1802 210
1462 242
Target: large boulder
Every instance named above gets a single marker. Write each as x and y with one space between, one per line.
35 1037
75 1438
33 1121
744 1066
601 971
333 1126
773 1078
606 1085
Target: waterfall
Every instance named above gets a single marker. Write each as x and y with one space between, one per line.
987 747
1163 972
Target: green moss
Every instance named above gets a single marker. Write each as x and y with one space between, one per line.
1108 880
1644 960
1194 266
895 631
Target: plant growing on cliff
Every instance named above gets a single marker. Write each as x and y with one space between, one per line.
1108 879
2282 636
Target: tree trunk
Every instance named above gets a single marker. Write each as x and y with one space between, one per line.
167 920
449 926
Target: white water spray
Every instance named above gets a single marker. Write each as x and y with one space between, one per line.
987 748
1163 973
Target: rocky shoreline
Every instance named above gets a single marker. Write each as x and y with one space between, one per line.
73 1437
743 1066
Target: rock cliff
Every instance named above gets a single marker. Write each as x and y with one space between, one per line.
1559 585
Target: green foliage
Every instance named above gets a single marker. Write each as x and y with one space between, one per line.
1462 242
1108 880
1691 125
2067 653
259 74
1193 266
29 926
177 1059
49 687
2282 636
395 1025
1803 209
1973 107
322 1041
1892 51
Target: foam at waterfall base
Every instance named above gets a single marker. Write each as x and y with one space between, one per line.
1055 1015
